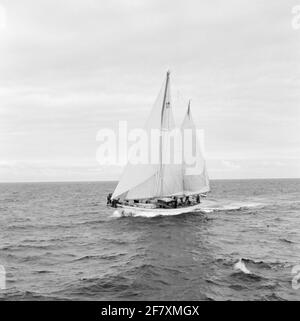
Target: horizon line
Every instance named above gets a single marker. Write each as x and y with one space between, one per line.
107 180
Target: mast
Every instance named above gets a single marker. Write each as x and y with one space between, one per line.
161 134
189 109
188 113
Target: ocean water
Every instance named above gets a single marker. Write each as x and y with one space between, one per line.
59 241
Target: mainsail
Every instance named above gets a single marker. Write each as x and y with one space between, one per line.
154 179
195 177
167 176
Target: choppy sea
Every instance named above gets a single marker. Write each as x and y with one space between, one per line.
59 241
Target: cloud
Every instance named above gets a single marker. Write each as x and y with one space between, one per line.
254 168
230 165
71 68
56 170
3 17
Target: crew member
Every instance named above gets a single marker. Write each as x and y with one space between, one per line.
187 200
175 201
181 201
108 199
114 202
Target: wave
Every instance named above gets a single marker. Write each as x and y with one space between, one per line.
230 207
39 226
28 247
274 297
268 264
286 240
69 225
42 272
91 222
240 265
14 294
246 276
115 241
100 257
255 263
124 284
96 287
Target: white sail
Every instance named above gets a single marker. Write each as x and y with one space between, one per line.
170 174
195 177
142 181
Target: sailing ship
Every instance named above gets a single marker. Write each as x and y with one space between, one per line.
164 187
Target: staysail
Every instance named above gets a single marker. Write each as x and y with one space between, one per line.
195 177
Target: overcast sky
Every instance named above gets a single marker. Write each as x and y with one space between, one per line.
70 68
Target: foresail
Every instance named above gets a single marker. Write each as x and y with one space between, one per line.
134 183
137 182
